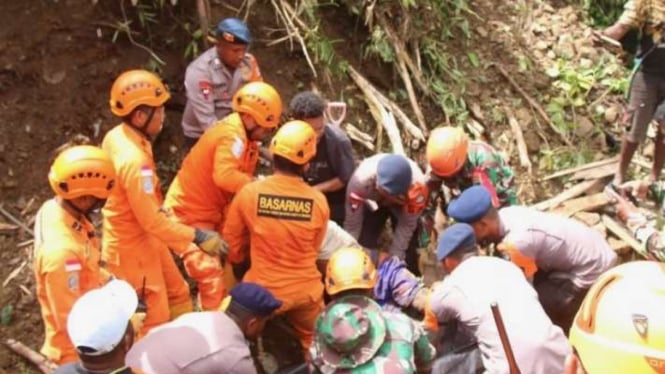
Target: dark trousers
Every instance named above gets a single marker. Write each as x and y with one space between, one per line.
457 352
374 224
188 143
560 298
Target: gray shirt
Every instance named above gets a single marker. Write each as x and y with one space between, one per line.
557 244
361 191
196 343
210 86
466 295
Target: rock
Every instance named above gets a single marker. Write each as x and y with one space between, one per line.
551 55
54 77
588 52
482 32
532 141
524 117
584 127
648 150
538 28
541 45
585 63
611 114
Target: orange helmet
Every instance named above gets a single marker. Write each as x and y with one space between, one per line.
295 141
447 150
82 170
620 326
261 101
137 87
349 268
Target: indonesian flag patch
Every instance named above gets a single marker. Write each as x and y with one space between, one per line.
355 200
206 89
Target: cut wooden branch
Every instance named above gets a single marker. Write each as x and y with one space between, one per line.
589 219
619 246
568 194
288 16
596 173
7 227
16 221
203 10
522 150
594 164
583 204
14 274
45 365
378 111
534 104
622 233
402 54
409 126
361 137
404 73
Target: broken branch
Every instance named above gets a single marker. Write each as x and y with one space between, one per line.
519 139
533 104
16 221
45 365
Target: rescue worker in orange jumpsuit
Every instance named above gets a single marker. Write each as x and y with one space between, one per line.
219 164
280 222
137 231
67 251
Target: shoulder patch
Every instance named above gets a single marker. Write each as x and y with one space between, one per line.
355 200
238 147
206 89
147 180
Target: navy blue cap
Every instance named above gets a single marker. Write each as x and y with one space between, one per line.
234 31
457 236
393 174
254 298
471 205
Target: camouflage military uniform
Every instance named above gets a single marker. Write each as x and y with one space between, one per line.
393 343
485 166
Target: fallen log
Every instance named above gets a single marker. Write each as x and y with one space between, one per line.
409 126
361 137
589 219
580 168
522 150
533 103
378 111
45 365
619 246
622 233
568 194
596 173
583 204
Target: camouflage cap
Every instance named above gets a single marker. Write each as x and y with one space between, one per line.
349 332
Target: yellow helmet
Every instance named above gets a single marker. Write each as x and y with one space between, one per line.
295 141
82 170
261 101
134 88
620 327
349 268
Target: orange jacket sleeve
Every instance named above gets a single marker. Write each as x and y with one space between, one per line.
236 232
142 197
229 154
527 264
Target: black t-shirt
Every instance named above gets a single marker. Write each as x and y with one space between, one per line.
76 368
652 51
333 159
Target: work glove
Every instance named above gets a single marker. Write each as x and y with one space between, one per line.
211 243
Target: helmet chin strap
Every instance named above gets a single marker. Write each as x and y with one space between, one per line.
144 128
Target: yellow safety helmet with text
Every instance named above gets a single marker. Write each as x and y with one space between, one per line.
295 141
82 170
620 326
261 101
349 268
134 88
